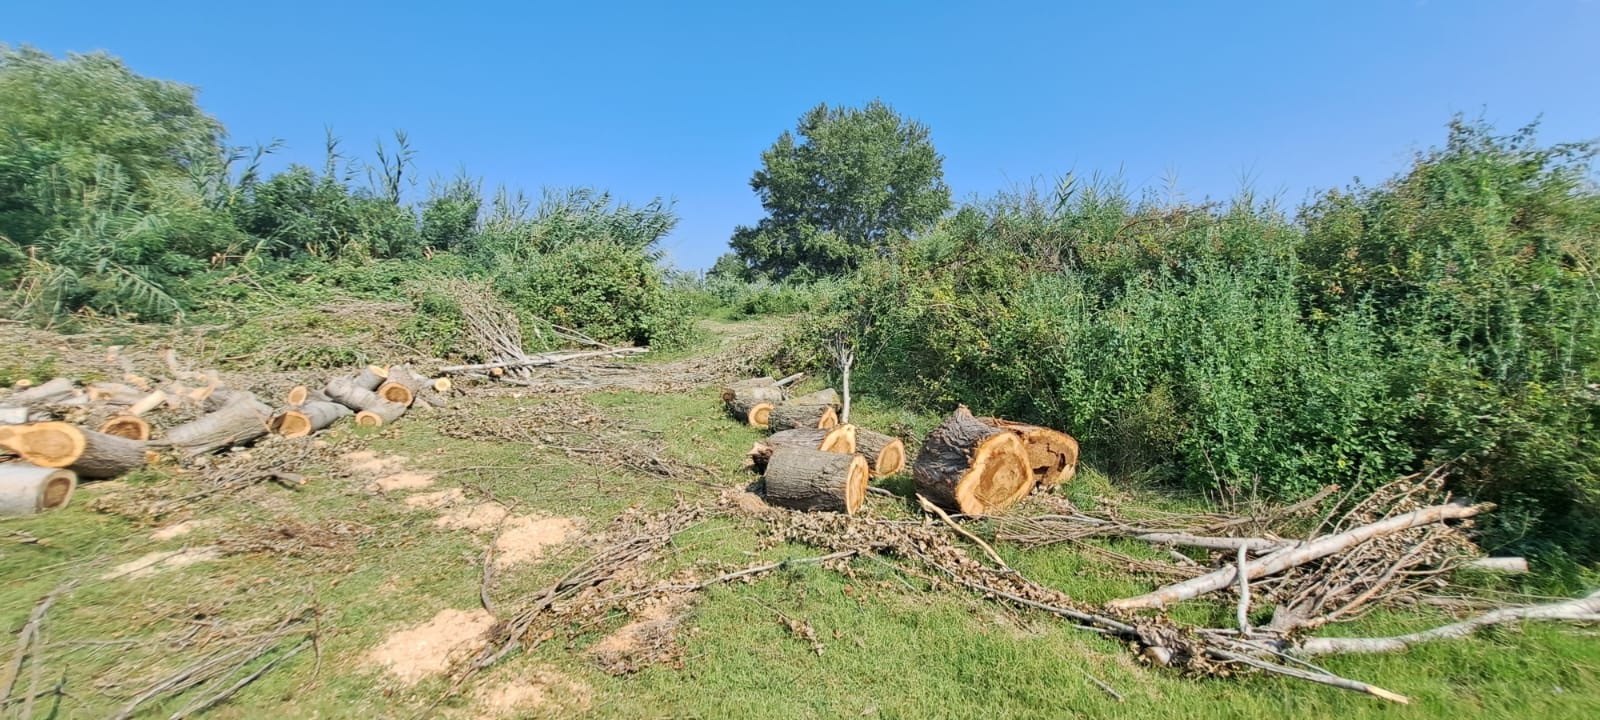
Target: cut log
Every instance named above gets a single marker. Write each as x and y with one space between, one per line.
126 426
380 414
815 480
46 394
754 413
114 393
885 455
27 489
789 416
826 396
371 377
401 387
307 418
242 420
147 403
1508 565
969 467
1297 554
841 439
297 395
90 454
441 384
348 392
13 415
1052 454
760 384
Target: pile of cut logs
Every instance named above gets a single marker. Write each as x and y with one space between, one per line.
61 433
968 465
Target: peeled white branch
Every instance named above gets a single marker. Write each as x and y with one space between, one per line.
1581 610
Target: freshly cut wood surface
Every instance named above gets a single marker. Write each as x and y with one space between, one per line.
308 418
126 426
972 468
841 439
815 480
89 454
383 413
27 489
1052 454
755 413
885 455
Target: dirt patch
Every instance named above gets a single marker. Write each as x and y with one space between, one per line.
436 500
525 538
476 518
649 640
405 480
429 649
180 529
158 562
368 462
542 689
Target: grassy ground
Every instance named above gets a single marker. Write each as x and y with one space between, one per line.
885 645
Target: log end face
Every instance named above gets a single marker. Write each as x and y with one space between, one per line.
294 424
998 478
57 490
50 444
829 419
855 489
840 439
368 418
126 426
760 415
891 459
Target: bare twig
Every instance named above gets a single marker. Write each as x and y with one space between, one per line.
936 510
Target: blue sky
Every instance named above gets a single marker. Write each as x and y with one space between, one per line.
679 99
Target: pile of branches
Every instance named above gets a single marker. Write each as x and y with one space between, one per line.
494 331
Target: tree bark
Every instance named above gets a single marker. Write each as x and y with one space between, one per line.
14 415
1585 609
401 387
242 420
827 396
789 416
752 412
815 480
27 489
1052 454
969 467
126 426
114 393
753 385
383 413
371 377
307 418
48 393
348 392
885 455
1298 554
90 454
841 439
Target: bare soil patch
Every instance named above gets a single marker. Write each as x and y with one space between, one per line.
429 649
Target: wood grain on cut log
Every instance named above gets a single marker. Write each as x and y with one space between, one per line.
804 479
371 377
242 420
297 395
826 396
753 412
789 416
27 489
401 387
126 426
307 418
885 455
841 439
753 385
346 391
1052 454
90 454
972 468
380 414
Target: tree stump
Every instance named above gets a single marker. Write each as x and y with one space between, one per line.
242 420
815 480
841 439
885 455
401 387
789 416
89 454
307 418
347 391
755 413
126 426
826 396
969 467
27 489
380 414
1052 454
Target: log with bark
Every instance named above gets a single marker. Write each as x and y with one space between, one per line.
112 393
401 386
14 415
307 418
789 416
241 420
48 393
1586 609
371 377
885 455
1052 454
27 489
91 455
841 439
380 414
751 411
149 402
766 387
827 396
131 427
972 468
347 391
815 480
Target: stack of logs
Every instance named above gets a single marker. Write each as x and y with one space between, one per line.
53 456
968 465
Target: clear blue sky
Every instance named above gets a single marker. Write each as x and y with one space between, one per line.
679 99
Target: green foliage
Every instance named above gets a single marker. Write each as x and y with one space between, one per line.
838 194
613 292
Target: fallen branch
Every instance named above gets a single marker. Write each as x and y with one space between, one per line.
1585 609
541 360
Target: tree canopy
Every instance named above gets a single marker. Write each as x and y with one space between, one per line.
838 187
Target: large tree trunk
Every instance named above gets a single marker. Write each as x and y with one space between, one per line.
753 412
841 439
347 391
27 489
806 479
789 416
49 393
1298 554
383 413
1052 454
242 420
90 454
308 418
971 468
401 386
827 396
885 455
126 426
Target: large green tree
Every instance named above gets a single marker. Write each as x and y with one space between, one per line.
838 187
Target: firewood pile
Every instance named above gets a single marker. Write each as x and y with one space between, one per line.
62 433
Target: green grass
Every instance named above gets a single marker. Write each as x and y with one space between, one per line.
891 646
